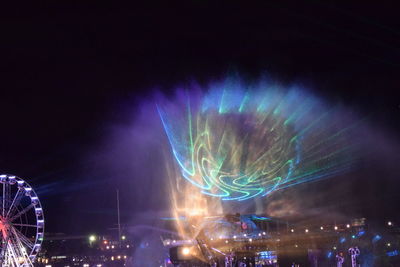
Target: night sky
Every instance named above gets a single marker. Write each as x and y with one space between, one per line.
75 79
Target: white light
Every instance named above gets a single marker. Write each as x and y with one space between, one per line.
112 246
390 223
336 227
245 235
306 230
250 240
123 237
259 234
388 244
3 176
234 237
334 248
185 251
292 230
348 225
322 228
264 233
127 246
226 241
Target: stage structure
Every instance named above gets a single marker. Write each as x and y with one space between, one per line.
21 223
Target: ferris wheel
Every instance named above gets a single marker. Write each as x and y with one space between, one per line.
21 222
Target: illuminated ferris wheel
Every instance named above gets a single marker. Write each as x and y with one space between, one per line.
21 223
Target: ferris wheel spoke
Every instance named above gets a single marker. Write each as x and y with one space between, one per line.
17 198
23 239
22 212
25 225
5 198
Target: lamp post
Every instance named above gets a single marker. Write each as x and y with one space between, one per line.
119 221
340 259
354 253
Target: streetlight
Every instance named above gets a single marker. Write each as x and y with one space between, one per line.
185 251
92 238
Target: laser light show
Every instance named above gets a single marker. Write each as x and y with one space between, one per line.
238 141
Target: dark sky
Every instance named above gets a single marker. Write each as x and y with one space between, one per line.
70 73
